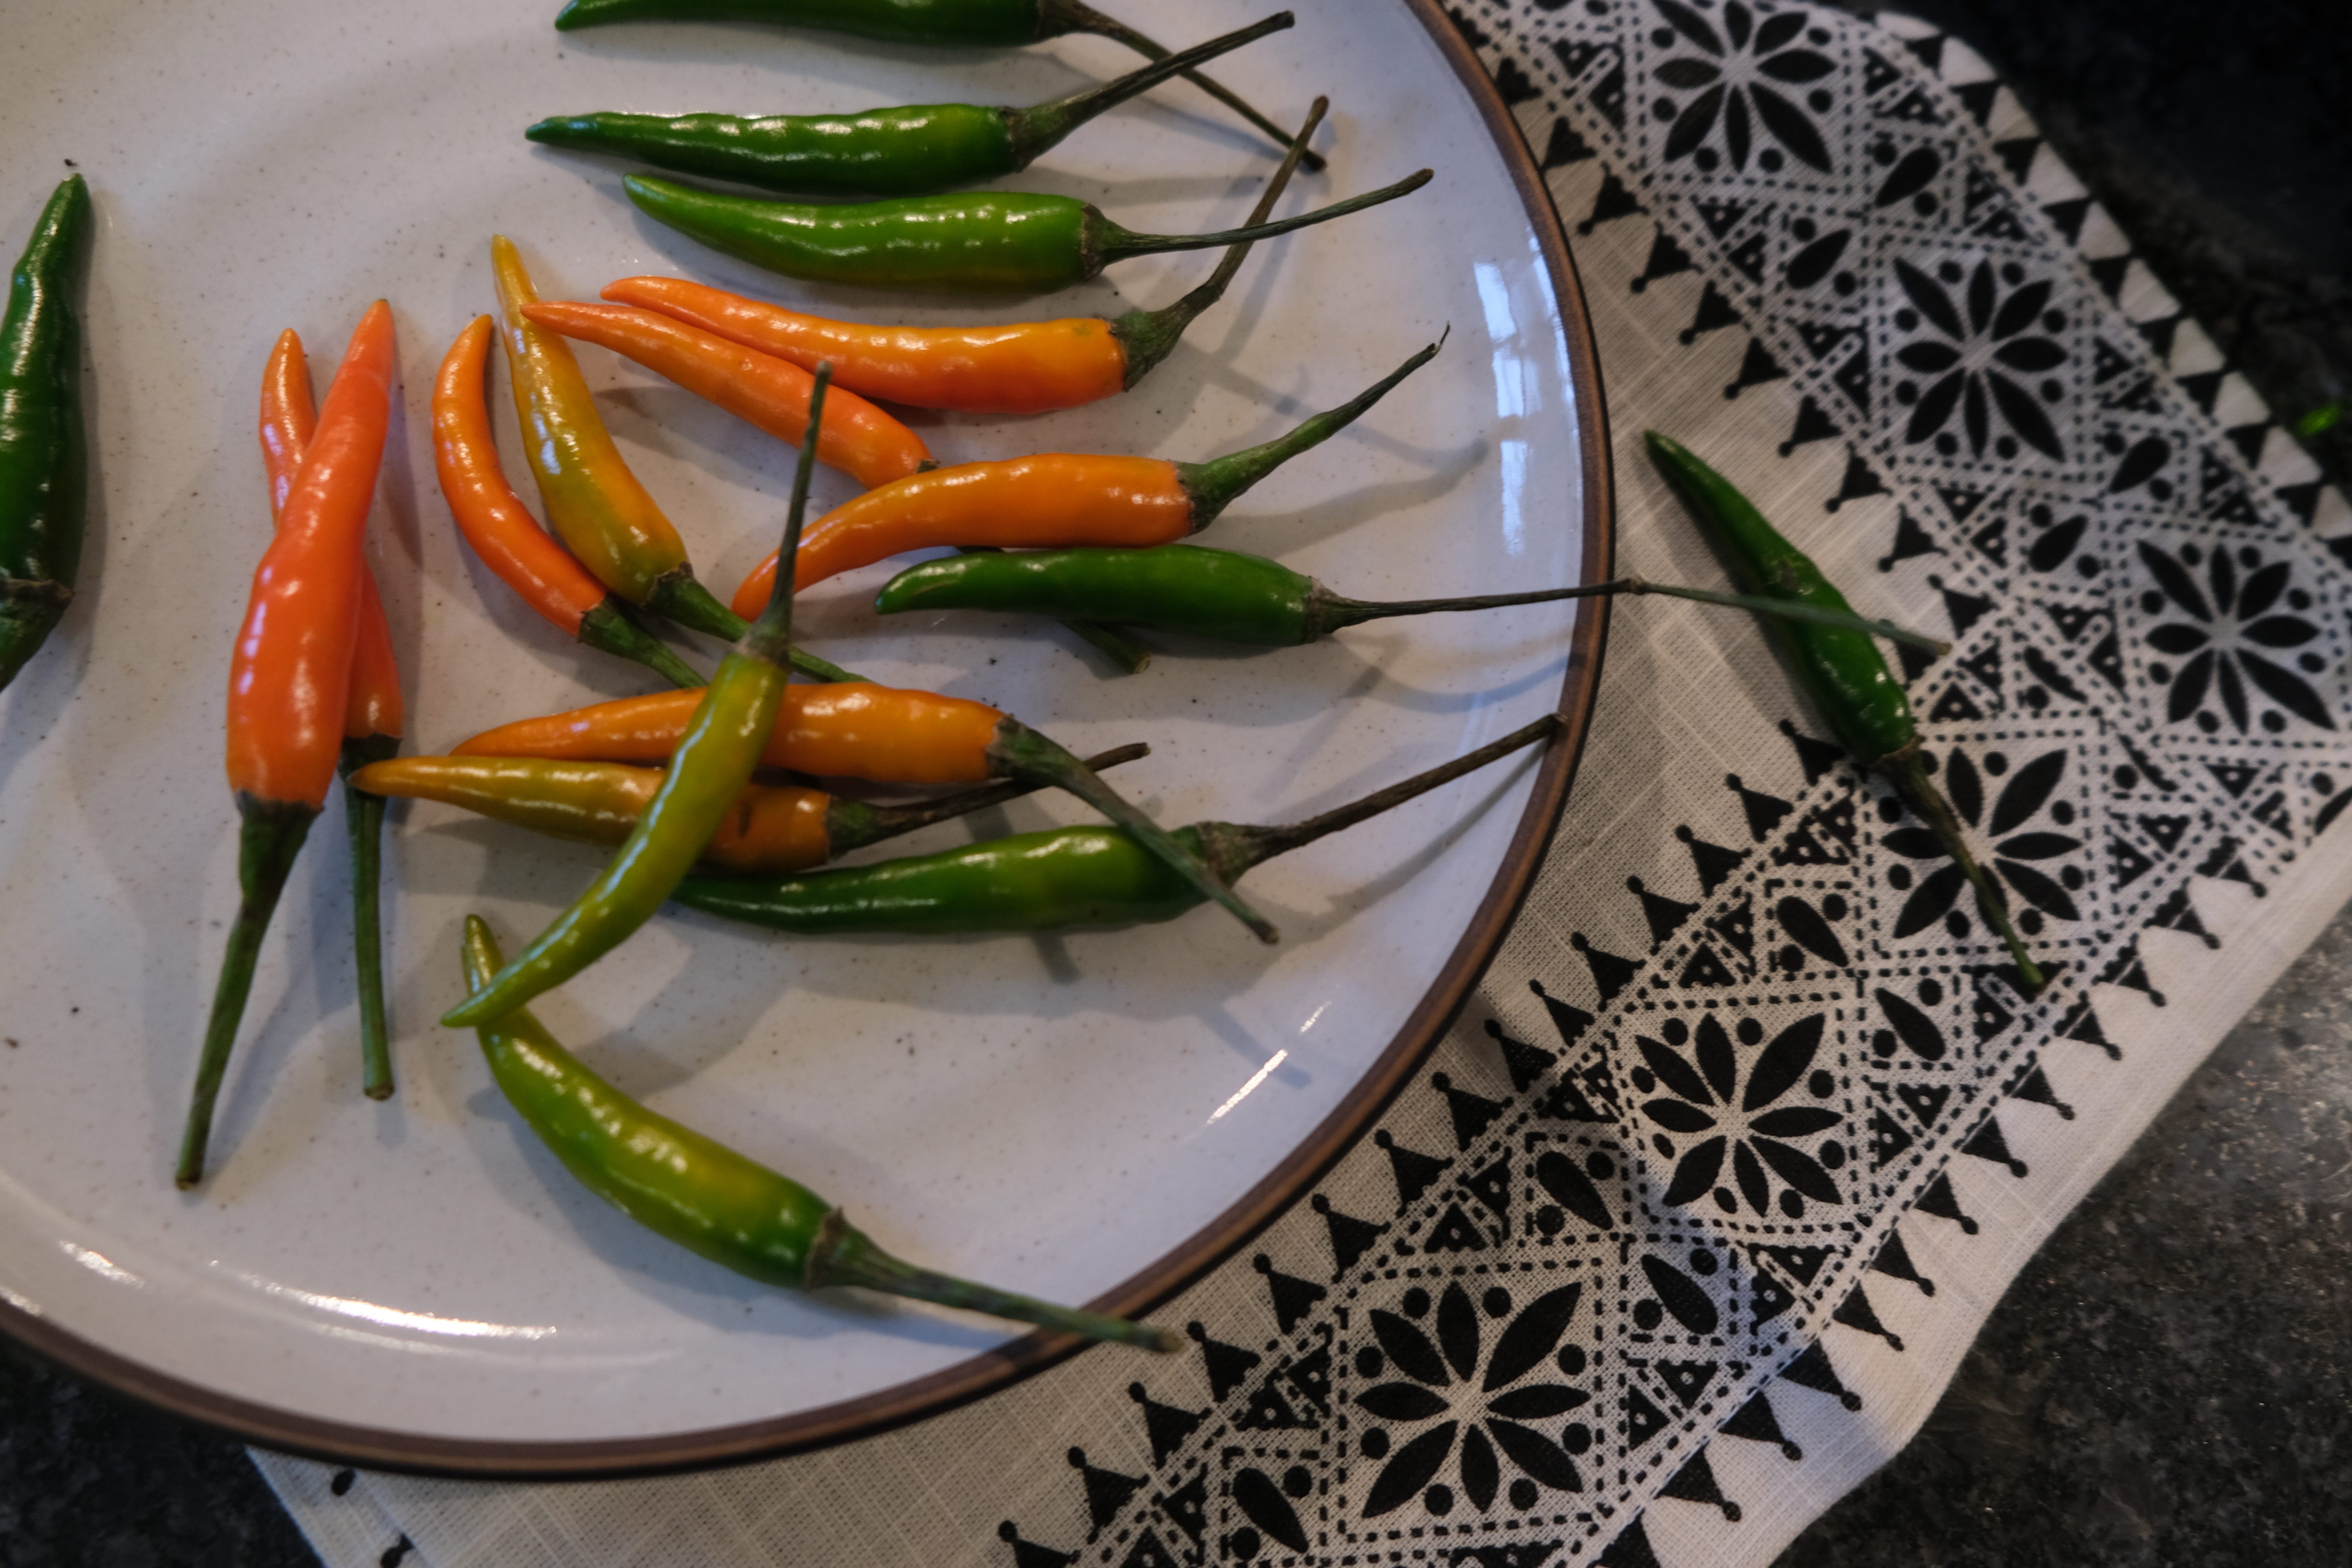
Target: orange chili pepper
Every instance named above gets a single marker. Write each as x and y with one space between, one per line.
773 394
1055 500
290 678
509 542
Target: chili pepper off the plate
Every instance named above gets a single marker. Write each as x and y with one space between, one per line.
1233 597
770 828
1841 670
373 710
982 23
593 503
1059 879
711 1200
1054 501
290 678
1029 367
504 535
988 242
904 151
44 450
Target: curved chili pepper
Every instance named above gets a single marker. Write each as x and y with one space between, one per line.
881 152
1232 597
970 22
593 503
711 1200
44 450
1841 670
1029 367
770 828
290 678
1054 880
988 242
859 439
1054 499
504 536
372 707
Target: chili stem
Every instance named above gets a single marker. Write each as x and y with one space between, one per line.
1037 128
608 628
269 839
1219 482
1328 613
1112 242
1905 770
363 821
1075 16
680 597
842 1255
862 824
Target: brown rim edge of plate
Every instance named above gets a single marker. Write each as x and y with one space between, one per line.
378 1449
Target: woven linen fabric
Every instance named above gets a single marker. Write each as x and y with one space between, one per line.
1684 1225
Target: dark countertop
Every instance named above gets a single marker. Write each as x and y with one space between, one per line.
2170 1380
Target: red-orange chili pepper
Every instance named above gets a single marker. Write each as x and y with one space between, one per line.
372 711
1053 501
290 678
509 542
858 439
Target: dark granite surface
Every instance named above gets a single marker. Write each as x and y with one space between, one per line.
2170 1380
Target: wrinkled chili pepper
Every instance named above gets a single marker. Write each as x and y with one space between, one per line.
760 389
1054 880
770 828
711 1200
1232 597
987 242
504 535
593 503
290 678
372 705
906 152
1841 670
1052 501
981 23
44 450
1028 367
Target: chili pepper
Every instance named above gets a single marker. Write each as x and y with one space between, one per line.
1233 597
1002 23
846 730
371 704
290 678
1052 501
903 152
504 535
593 503
859 439
1840 669
711 1200
1054 880
770 828
988 242
1027 368
44 452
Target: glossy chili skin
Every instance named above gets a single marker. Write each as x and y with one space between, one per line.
44 450
1217 593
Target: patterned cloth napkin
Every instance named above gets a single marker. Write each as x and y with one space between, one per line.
1685 1227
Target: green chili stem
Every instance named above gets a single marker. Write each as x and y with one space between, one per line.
1909 777
1037 128
268 838
1110 242
608 629
1149 336
1075 16
770 636
680 597
363 822
854 824
1023 753
1219 482
1328 613
1109 640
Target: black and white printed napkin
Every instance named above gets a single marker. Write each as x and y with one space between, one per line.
1681 1231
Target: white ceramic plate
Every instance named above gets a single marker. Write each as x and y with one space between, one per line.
1095 1117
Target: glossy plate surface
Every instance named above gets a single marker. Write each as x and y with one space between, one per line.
1099 1116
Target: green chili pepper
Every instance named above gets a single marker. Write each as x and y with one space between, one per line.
1054 880
884 152
973 23
1232 597
711 1200
1841 670
43 454
1014 241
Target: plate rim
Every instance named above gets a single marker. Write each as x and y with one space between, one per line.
866 1416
